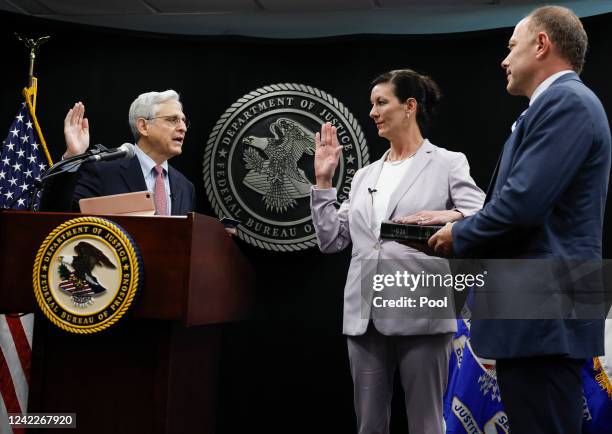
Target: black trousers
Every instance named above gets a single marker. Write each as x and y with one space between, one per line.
542 395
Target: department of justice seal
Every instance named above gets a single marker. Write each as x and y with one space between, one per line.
258 162
86 275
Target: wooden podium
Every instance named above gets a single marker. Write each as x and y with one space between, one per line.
155 371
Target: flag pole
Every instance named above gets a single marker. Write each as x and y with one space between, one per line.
31 91
33 45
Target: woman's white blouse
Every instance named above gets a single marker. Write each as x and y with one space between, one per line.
390 176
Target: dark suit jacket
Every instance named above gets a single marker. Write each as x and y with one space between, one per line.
546 200
103 178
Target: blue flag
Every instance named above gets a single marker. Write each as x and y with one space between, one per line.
597 385
454 364
473 405
472 402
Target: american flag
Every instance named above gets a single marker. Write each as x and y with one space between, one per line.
22 160
23 157
15 357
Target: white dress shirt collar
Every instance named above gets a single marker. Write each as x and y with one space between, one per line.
147 164
546 84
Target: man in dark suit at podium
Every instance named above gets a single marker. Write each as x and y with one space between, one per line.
546 201
159 126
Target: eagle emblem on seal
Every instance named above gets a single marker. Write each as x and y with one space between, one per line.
76 275
275 174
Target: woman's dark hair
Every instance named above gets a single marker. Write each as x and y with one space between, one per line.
410 84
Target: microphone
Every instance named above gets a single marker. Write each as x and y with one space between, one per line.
127 151
71 164
372 191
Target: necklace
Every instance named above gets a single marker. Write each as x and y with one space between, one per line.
398 162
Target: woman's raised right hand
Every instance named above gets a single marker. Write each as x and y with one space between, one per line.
327 154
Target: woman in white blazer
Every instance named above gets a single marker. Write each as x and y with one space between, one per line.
415 182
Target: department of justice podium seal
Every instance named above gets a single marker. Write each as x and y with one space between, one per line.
87 273
258 162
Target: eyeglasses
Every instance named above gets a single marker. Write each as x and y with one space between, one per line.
175 120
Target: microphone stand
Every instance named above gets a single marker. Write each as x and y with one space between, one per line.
58 168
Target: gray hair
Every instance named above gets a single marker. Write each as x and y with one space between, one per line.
147 106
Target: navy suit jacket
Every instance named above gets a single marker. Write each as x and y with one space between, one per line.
113 177
546 200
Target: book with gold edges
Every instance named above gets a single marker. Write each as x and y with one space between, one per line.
390 230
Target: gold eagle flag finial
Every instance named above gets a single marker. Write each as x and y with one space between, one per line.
33 45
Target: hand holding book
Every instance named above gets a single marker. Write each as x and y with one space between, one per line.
400 232
429 218
416 229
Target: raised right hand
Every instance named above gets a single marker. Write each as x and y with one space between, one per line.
327 154
76 131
